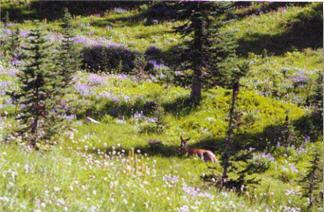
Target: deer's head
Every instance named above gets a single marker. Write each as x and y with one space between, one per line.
183 144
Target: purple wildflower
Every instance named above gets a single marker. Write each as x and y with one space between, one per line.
126 98
266 156
170 180
110 96
82 89
156 64
300 78
195 192
191 191
54 37
119 10
120 76
4 85
94 41
70 117
7 32
15 61
95 79
24 33
8 101
293 168
184 208
151 120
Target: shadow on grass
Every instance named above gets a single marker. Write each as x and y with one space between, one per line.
265 141
158 12
53 10
120 109
260 8
181 106
302 31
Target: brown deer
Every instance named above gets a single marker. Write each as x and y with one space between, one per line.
204 154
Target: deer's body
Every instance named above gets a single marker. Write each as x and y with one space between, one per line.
204 154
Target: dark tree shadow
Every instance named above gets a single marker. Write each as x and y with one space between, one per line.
158 12
181 106
265 141
247 9
303 31
53 10
119 109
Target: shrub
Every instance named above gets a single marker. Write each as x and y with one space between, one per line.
108 59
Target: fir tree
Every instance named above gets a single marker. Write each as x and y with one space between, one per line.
236 76
11 43
312 181
67 62
201 17
317 97
35 96
68 59
13 46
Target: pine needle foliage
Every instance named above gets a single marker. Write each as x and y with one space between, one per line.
37 85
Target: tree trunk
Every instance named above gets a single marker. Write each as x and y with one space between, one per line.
33 139
229 139
199 44
196 87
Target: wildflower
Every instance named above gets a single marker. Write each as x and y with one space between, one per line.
170 180
110 96
266 156
70 117
119 10
291 209
95 79
293 168
82 89
184 208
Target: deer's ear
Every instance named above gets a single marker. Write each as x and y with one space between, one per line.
181 138
188 139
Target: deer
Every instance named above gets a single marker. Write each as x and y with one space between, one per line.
204 154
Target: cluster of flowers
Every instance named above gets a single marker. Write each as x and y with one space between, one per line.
263 155
86 41
139 116
9 71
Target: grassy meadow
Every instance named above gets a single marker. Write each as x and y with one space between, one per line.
110 165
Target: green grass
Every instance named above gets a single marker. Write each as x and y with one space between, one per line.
93 165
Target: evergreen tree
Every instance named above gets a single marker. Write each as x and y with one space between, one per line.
312 181
317 97
68 58
67 62
35 96
13 46
200 16
236 76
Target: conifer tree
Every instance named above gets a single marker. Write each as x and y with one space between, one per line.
202 17
13 45
312 181
68 58
35 96
236 76
317 97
